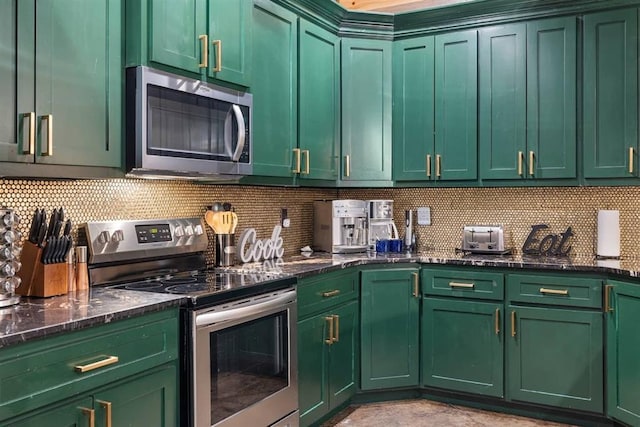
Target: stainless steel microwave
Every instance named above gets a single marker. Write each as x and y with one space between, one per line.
184 128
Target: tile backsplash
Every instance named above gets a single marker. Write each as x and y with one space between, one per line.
259 207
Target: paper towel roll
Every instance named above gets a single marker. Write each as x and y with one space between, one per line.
608 233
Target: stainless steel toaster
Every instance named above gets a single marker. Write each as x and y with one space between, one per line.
483 239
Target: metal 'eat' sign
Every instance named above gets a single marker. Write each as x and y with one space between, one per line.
549 245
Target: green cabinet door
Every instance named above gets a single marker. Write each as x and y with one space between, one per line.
147 400
389 328
413 109
313 365
456 94
78 81
72 413
178 34
623 347
274 87
502 70
366 110
551 97
610 85
343 354
318 103
462 345
555 357
230 40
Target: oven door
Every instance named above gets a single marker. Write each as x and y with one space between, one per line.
245 361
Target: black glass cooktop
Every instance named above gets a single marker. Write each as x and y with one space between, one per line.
210 286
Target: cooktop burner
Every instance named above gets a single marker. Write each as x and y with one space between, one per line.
204 287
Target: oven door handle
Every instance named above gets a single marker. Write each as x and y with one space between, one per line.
206 319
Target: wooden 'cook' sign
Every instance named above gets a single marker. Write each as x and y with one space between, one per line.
549 245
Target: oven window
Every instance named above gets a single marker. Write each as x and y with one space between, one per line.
248 363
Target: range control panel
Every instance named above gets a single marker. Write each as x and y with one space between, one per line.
110 241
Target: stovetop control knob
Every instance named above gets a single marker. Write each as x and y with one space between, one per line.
117 236
178 231
198 230
188 230
104 237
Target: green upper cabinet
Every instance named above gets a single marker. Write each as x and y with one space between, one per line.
413 109
610 113
275 54
318 152
389 328
61 90
456 94
178 34
528 100
366 110
623 347
207 37
502 70
230 40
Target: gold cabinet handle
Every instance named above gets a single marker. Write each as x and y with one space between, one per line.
307 162
428 165
91 414
416 286
438 165
31 116
336 318
631 152
329 320
95 365
462 285
218 44
49 149
554 291
607 299
107 407
347 161
497 325
520 161
204 50
296 151
531 163
332 293
513 324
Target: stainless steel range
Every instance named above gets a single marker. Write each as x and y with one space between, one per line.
239 364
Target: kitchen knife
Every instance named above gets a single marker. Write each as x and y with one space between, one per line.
35 227
52 222
67 228
46 251
42 234
57 228
59 248
61 214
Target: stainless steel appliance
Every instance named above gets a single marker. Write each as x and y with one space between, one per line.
381 225
9 256
487 239
340 226
180 127
240 358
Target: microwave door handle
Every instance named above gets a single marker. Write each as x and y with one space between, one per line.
241 133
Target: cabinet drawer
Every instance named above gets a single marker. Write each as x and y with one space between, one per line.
463 283
555 290
326 290
44 371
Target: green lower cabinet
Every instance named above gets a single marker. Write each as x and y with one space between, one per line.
462 345
73 413
555 357
623 348
326 361
389 328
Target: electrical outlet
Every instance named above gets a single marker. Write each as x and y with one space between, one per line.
284 219
424 216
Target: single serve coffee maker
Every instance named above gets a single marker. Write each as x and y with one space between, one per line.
381 225
340 226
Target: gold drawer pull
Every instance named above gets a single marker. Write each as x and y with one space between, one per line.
204 50
462 285
91 414
513 324
532 163
428 165
607 298
336 338
297 152
520 161
95 365
631 150
331 293
416 285
347 162
307 157
438 165
497 321
49 119
554 291
32 132
107 407
218 44
329 320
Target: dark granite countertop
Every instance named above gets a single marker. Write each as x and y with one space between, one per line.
41 317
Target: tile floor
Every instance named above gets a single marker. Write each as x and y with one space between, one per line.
425 413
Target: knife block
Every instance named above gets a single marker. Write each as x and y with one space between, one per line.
38 279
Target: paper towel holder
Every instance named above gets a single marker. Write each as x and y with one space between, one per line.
607 236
